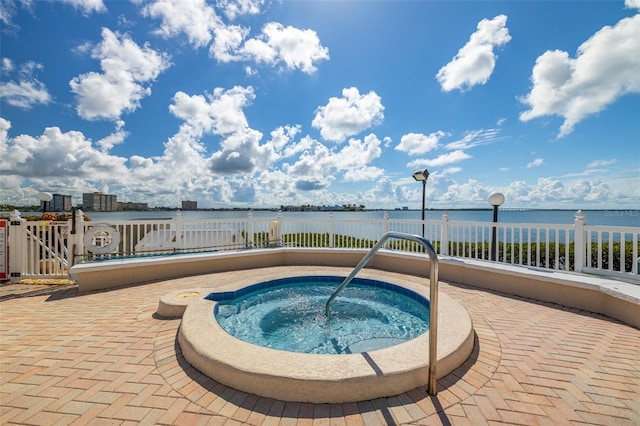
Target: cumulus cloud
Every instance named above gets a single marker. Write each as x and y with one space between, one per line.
195 18
312 169
349 115
27 91
115 138
475 61
295 48
227 42
120 87
604 69
57 155
235 8
418 143
318 166
276 44
632 4
220 113
241 153
281 139
358 153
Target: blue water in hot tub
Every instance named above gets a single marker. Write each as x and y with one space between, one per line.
289 314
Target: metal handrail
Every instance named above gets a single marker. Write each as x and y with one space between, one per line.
433 295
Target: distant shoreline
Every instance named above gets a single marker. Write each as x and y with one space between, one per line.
27 209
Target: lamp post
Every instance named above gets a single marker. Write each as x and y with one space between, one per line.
421 176
496 200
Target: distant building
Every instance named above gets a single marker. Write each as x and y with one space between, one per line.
60 203
189 205
99 202
132 206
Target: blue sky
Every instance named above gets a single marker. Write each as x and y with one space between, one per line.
252 103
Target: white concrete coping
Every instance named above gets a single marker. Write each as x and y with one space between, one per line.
173 304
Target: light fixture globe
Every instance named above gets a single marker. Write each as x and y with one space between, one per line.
421 175
496 199
46 196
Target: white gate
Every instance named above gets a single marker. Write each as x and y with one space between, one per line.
39 249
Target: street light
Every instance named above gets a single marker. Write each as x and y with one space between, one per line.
421 176
496 200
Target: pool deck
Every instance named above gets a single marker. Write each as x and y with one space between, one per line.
105 357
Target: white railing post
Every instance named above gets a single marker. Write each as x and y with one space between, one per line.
77 236
579 248
16 241
279 229
444 234
179 230
332 231
250 229
385 223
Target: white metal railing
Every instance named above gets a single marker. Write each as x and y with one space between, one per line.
49 248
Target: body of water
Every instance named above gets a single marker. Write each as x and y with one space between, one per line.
593 217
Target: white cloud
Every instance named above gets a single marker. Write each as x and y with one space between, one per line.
361 174
281 138
632 4
194 18
7 11
357 154
6 66
418 143
296 48
220 113
28 91
605 68
313 169
240 154
226 45
87 6
472 192
474 138
475 61
600 163
235 8
442 160
119 89
276 44
115 138
56 156
535 163
317 166
545 192
349 115
451 170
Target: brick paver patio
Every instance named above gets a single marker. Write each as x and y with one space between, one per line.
106 358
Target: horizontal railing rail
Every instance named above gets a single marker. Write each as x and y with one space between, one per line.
50 248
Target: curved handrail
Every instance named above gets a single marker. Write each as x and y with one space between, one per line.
433 295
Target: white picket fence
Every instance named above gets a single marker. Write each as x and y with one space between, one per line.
47 249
